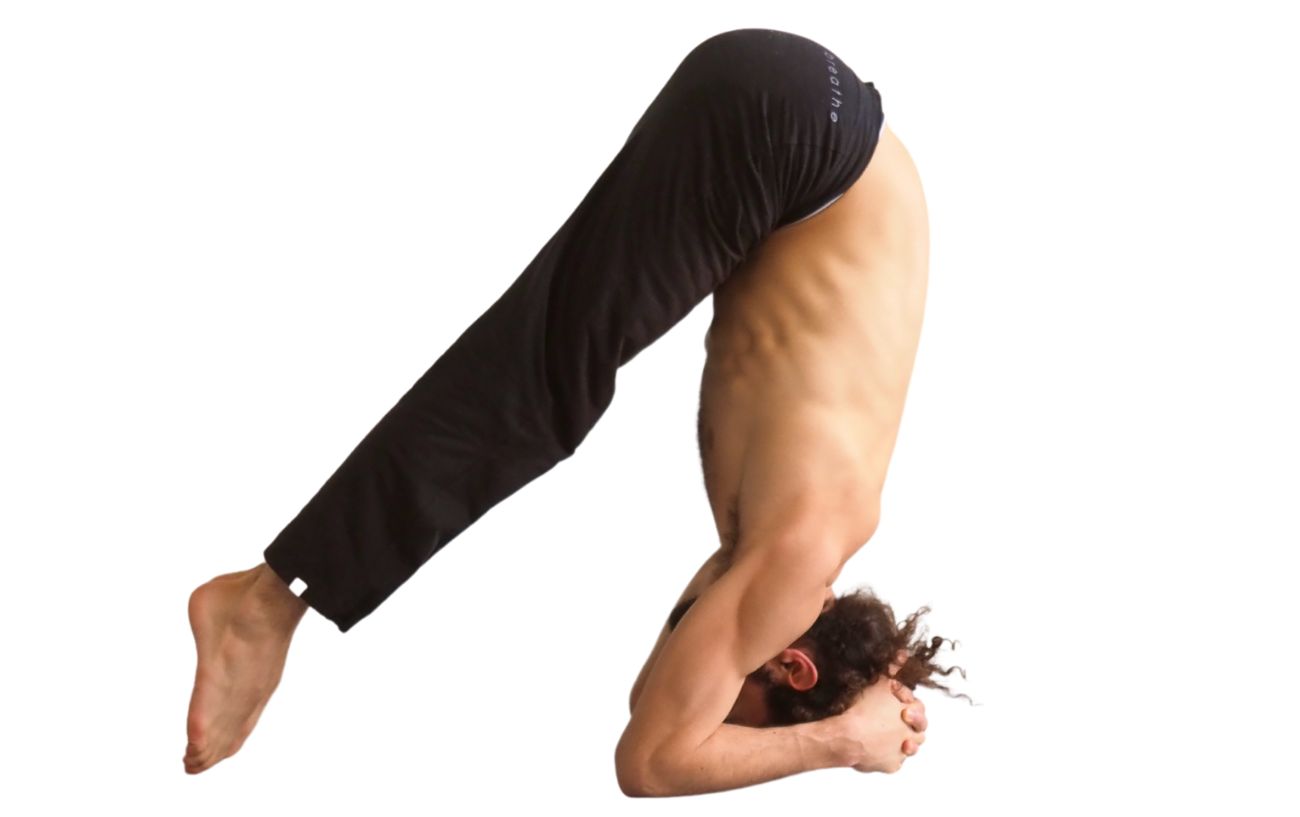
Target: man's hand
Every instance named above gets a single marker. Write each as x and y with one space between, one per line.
887 724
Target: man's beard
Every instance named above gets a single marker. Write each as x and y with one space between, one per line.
783 702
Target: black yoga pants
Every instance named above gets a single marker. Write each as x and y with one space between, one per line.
754 130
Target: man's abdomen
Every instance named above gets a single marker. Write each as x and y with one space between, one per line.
810 355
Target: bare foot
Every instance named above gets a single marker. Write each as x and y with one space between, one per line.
243 623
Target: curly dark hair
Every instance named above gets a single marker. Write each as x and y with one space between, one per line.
852 643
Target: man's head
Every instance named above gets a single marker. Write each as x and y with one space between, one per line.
849 647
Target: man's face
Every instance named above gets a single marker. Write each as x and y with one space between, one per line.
750 708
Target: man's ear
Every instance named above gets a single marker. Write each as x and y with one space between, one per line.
795 668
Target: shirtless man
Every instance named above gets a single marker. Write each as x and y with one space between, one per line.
809 356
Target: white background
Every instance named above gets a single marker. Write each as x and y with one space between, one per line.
232 235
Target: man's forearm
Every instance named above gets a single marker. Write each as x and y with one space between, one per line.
737 756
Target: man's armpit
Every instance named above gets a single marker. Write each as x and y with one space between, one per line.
679 611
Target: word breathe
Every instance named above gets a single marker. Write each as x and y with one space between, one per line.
833 73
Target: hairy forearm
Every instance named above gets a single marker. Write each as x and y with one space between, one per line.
737 756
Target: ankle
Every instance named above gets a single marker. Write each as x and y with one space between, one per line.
268 597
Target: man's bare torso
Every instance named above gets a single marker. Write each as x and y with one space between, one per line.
809 357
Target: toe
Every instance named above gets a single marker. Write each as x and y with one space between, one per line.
202 764
200 757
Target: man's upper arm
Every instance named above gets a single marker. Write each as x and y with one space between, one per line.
706 575
766 600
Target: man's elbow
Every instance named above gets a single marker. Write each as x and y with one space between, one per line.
632 785
631 778
633 769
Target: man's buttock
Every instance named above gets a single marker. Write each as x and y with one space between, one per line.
810 353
